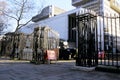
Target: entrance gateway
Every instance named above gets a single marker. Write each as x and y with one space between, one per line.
98 41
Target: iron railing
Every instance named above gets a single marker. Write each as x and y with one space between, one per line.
98 40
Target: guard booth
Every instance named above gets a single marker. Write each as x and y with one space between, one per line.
45 45
98 41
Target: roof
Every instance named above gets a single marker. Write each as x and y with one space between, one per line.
47 12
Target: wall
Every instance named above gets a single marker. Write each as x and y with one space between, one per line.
59 23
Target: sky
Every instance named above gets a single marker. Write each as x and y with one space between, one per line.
64 4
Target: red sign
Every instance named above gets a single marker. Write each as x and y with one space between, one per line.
101 55
51 55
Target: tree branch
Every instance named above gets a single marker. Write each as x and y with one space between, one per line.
22 25
20 16
10 16
21 12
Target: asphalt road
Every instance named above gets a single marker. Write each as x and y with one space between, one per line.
60 70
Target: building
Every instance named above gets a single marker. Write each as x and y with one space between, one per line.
99 6
65 22
58 19
48 12
89 4
109 11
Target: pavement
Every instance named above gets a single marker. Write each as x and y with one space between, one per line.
60 70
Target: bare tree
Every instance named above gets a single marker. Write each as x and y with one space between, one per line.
2 20
20 11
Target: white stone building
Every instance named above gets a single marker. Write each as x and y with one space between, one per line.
64 22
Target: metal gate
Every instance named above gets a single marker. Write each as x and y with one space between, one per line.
98 40
109 41
87 47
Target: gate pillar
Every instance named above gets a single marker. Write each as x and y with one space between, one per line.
87 42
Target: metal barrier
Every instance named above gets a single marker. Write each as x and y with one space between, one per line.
98 40
109 43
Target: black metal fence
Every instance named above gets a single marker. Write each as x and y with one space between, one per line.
87 45
109 40
98 40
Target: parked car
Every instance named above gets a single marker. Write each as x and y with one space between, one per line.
68 53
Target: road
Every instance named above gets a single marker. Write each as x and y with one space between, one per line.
61 70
